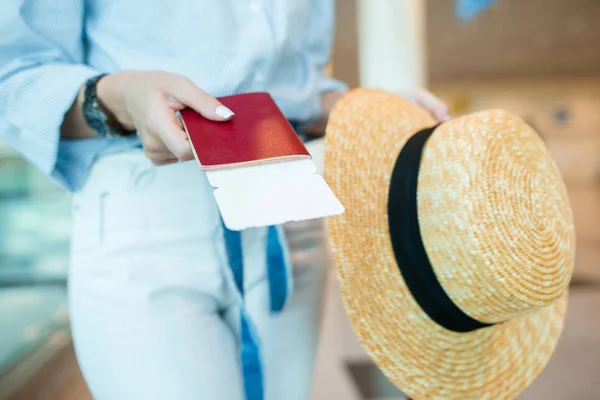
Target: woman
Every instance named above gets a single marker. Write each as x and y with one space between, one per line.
89 93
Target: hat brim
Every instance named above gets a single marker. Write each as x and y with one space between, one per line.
423 359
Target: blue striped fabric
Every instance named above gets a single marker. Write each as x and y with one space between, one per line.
225 47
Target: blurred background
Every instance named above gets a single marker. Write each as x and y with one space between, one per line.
537 58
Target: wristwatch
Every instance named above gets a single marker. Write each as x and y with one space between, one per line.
95 117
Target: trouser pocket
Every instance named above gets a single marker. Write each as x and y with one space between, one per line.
114 206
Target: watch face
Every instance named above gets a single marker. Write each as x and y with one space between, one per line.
98 124
92 113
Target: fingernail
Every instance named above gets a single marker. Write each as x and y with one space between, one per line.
224 112
446 118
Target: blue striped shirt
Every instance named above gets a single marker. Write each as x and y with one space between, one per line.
48 49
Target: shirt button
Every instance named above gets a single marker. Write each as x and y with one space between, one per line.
255 7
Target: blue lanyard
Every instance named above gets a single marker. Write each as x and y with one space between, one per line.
279 275
252 368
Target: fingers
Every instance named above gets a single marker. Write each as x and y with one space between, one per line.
175 139
159 155
186 92
156 150
163 137
433 104
152 98
165 161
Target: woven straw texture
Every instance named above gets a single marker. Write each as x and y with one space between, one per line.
497 227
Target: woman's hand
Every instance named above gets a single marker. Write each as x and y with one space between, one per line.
430 102
147 102
424 98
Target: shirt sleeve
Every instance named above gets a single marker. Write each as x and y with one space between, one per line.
319 43
41 73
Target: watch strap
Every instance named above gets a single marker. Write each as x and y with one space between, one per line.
93 114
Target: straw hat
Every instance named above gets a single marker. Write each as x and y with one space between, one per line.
456 249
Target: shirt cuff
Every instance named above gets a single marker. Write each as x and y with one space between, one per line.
40 98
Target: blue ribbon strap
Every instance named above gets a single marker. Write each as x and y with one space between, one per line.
252 373
277 271
280 288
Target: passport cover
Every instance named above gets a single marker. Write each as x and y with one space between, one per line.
258 133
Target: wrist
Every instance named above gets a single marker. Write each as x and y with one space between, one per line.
111 100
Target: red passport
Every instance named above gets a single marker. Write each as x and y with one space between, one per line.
261 171
258 133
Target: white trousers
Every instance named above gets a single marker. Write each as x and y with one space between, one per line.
153 310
